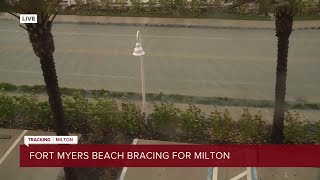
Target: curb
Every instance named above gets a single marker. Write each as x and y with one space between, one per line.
167 25
181 26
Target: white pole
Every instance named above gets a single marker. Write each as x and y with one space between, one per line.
69 3
143 91
249 173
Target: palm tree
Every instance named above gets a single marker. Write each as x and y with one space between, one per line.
284 20
41 39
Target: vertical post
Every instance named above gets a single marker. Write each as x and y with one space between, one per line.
69 2
143 91
254 174
249 173
212 173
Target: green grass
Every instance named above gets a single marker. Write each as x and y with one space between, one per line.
236 17
310 17
205 16
175 98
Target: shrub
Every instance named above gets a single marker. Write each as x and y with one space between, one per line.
131 121
194 124
166 120
136 6
152 4
252 127
99 118
300 132
7 111
166 5
182 6
45 117
7 87
77 112
122 4
195 7
221 125
106 116
25 112
106 3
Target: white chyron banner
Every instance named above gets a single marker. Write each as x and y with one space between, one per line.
50 140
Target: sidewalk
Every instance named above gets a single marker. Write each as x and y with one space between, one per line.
178 22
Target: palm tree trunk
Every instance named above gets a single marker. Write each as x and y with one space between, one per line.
280 90
43 45
284 20
51 81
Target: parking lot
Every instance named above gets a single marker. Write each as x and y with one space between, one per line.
10 157
10 166
215 173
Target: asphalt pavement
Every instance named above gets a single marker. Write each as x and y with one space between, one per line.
10 158
199 62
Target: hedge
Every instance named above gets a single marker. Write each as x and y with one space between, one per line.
102 120
187 9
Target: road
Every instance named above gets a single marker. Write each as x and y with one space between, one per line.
200 62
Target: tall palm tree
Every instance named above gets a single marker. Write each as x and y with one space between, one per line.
284 20
41 39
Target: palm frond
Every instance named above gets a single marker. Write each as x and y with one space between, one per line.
13 14
45 9
6 6
24 27
289 6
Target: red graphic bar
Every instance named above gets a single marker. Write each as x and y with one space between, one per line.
170 156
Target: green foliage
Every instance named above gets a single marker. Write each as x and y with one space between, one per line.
252 127
182 6
317 126
300 132
221 125
106 3
7 111
93 4
77 111
25 112
122 4
309 7
166 120
195 7
136 6
101 117
131 121
7 87
106 116
194 124
46 10
242 9
166 5
152 5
